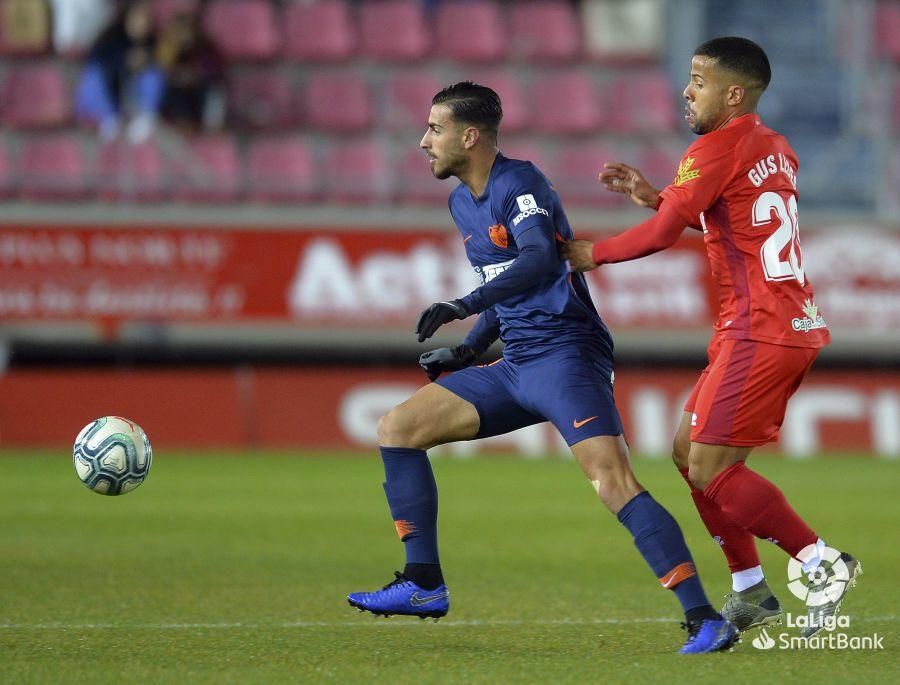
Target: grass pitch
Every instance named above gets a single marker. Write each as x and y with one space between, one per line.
234 569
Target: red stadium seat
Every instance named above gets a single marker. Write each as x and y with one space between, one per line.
7 177
337 101
165 10
470 31
282 170
261 98
54 167
35 96
207 170
394 30
574 175
659 161
646 103
416 184
319 31
357 172
407 100
516 112
544 30
566 102
243 29
131 172
887 30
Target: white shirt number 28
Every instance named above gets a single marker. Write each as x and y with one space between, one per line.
780 254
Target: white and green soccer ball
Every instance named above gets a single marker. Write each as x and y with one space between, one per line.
112 455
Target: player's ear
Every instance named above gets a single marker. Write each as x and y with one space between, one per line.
736 95
471 136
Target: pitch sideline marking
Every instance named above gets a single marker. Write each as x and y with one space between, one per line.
354 624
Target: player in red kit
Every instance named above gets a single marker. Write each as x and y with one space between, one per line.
738 184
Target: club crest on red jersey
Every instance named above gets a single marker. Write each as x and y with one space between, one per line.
685 173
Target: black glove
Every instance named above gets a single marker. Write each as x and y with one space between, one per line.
444 359
437 315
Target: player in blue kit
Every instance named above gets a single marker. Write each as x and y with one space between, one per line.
557 366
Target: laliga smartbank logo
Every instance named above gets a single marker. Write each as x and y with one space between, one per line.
822 589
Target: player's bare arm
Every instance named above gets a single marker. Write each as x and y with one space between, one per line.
621 178
579 254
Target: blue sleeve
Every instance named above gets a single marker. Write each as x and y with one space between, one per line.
485 331
527 205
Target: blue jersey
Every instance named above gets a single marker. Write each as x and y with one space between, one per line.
528 295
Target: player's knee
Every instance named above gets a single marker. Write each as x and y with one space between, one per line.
699 475
392 429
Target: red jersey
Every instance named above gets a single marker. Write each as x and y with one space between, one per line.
739 183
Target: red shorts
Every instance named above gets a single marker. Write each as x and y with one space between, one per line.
741 396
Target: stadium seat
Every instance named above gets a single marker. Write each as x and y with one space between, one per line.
337 101
470 31
407 100
887 30
35 96
207 170
243 29
544 30
24 28
658 162
261 98
282 170
131 172
165 10
394 30
646 103
53 167
318 31
516 112
565 102
356 172
7 176
574 175
417 185
618 31
801 101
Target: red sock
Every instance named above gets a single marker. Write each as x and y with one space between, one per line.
760 507
738 545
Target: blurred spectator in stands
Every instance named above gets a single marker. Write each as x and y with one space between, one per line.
194 97
121 77
76 23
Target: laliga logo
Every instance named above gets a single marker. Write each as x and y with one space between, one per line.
763 640
823 584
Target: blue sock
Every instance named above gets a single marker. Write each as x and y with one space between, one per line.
659 540
413 499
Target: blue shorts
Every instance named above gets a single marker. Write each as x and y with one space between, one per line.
570 387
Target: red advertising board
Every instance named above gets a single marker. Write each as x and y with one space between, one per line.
326 409
382 278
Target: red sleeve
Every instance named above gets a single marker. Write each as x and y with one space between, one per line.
657 233
703 173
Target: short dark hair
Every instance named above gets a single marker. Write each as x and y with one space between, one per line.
740 55
473 104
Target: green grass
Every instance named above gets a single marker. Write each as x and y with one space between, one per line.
225 569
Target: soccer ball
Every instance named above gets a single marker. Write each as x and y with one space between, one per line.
112 455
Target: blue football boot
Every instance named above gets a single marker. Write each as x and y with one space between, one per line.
403 597
709 636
